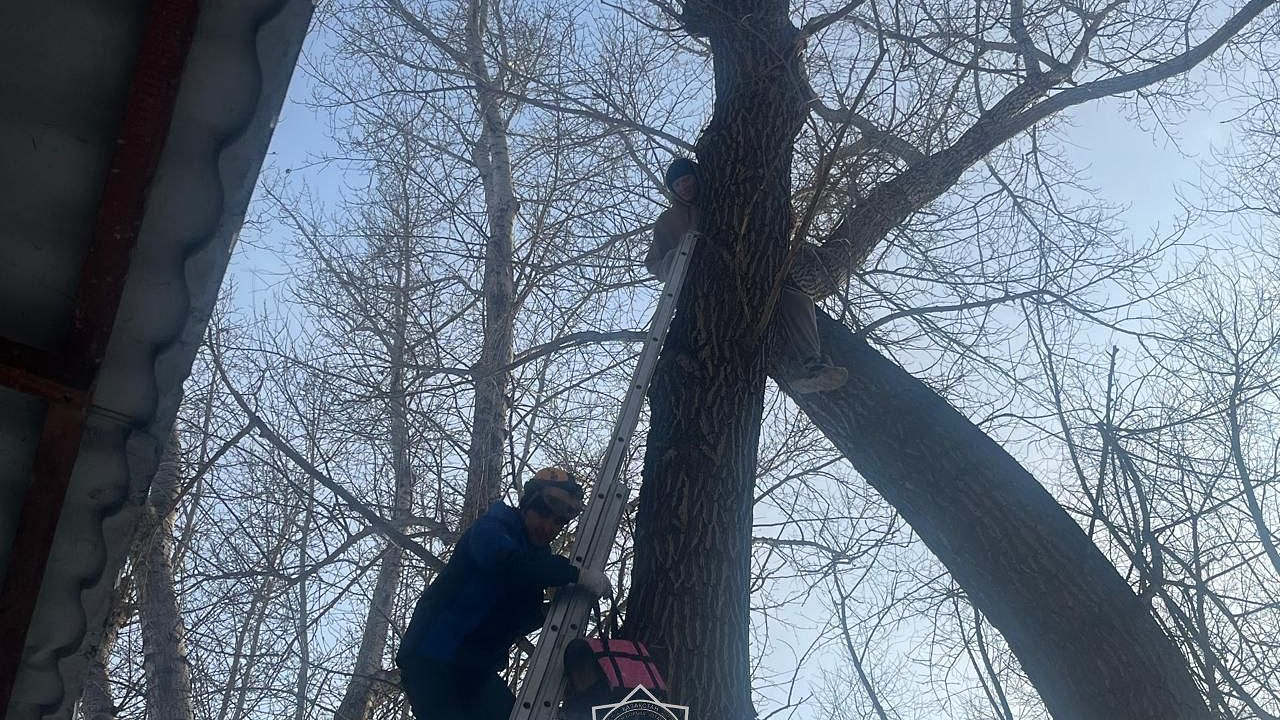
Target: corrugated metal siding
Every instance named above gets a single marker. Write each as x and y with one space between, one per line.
64 74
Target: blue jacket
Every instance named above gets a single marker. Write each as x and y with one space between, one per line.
487 596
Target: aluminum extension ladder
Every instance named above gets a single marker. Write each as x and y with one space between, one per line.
540 696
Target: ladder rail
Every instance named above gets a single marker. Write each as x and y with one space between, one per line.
540 694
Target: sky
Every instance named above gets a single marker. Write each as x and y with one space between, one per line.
1141 167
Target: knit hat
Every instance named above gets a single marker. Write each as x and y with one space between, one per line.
678 169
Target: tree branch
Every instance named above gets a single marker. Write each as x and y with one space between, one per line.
1142 78
821 273
378 522
818 23
586 337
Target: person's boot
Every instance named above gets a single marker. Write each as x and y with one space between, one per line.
819 376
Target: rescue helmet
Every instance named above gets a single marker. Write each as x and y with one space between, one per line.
555 491
678 168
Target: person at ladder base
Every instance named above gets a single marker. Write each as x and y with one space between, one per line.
488 596
794 326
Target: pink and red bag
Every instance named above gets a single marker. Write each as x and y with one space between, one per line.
627 664
603 671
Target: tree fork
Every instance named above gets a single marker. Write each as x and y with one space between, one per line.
1089 644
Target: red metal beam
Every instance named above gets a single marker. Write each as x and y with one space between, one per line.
153 91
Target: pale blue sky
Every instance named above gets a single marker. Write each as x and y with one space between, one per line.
1142 167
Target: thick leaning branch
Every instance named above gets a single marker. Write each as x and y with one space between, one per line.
1088 643
823 272
821 22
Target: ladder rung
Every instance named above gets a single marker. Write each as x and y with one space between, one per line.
539 697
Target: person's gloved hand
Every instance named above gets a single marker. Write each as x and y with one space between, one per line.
595 582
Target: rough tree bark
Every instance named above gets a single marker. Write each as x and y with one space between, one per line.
690 579
1088 643
164 648
491 157
96 702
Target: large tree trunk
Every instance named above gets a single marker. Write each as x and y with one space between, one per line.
689 591
1090 646
492 158
96 702
164 648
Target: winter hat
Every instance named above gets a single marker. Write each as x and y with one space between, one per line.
678 169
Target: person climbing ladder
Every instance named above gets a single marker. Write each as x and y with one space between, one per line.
488 596
794 326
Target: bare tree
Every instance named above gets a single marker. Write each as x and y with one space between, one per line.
163 632
467 310
691 573
1173 451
